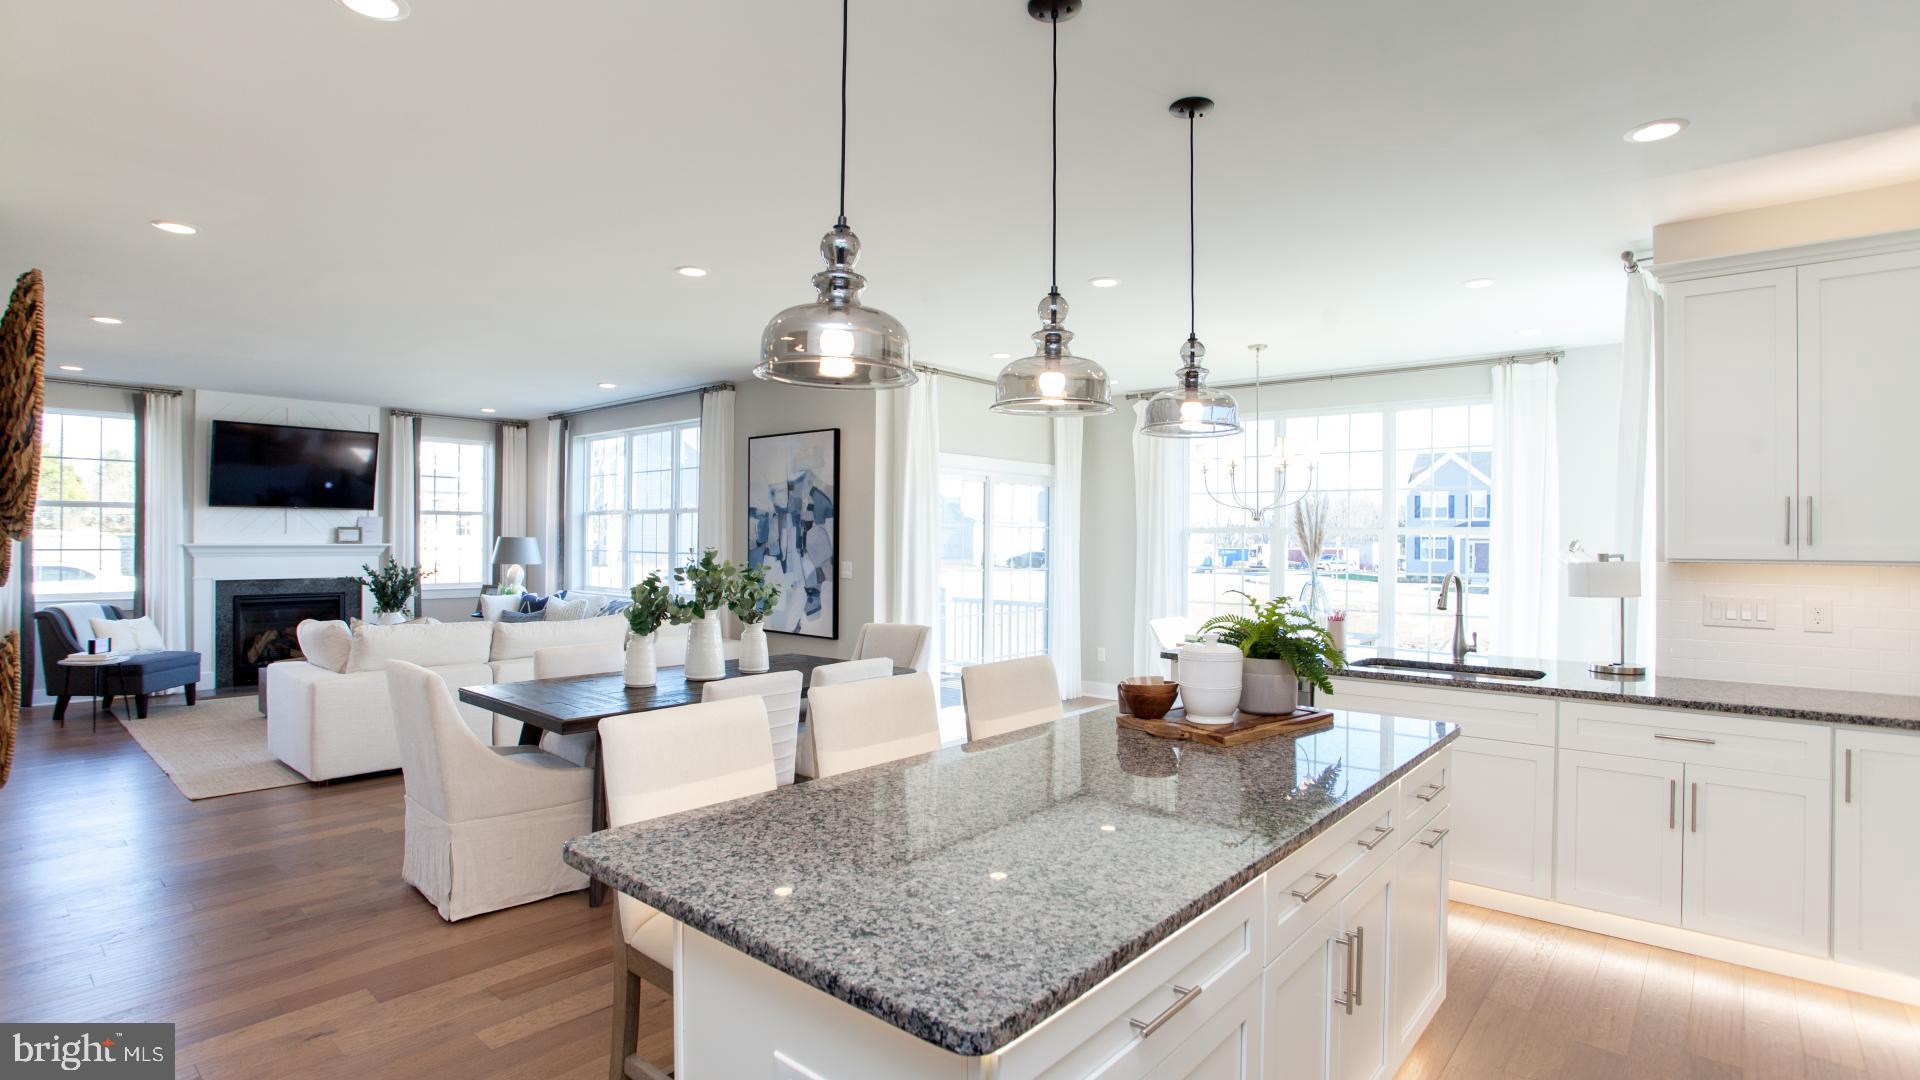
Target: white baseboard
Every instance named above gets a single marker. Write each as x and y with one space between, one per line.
1816 969
1103 690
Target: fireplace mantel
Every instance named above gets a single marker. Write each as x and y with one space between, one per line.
209 563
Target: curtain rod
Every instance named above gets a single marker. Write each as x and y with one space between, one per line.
172 390
961 375
451 416
1550 356
641 400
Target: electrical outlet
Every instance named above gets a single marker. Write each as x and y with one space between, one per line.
1819 615
1100 654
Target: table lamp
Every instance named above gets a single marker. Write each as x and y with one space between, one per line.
1611 578
514 554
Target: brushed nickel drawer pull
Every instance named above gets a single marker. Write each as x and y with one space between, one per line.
1146 1028
1684 738
1809 526
1349 991
1789 540
1438 835
1673 800
1360 965
1310 893
1849 784
1695 826
1380 833
1430 792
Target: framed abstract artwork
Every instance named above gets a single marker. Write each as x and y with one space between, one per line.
793 527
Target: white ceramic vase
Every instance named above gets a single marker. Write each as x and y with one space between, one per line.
390 618
705 660
641 667
753 649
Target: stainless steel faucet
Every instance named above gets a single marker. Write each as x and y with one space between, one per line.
1460 646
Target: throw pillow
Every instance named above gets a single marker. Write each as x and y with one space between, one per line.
563 610
325 644
615 607
130 635
492 605
536 602
523 616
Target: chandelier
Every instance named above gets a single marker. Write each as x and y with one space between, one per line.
1263 515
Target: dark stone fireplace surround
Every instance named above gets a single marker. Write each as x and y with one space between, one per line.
226 603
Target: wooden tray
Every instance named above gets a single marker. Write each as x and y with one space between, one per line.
1245 728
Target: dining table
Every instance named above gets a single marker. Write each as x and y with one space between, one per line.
576 704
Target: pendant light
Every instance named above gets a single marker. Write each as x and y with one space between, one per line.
836 341
1191 410
1053 381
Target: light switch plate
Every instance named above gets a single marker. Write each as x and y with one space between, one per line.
1752 612
846 570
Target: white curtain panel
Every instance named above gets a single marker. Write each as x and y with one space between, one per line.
716 473
510 518
1640 351
913 527
1159 517
1526 512
164 502
552 545
402 519
1063 556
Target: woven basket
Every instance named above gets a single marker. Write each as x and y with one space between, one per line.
23 391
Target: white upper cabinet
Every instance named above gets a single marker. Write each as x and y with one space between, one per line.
1788 398
1859 389
1730 442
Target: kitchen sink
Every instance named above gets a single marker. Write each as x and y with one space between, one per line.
1442 670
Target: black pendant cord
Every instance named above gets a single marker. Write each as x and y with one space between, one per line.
1193 242
844 12
1053 272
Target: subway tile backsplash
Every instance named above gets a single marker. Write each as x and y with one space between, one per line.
1874 610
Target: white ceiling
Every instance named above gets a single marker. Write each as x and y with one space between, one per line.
482 205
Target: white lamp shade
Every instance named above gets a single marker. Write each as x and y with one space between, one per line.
1611 580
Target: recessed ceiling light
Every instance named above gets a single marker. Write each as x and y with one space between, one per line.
71 367
384 10
105 320
1478 283
175 227
1528 333
1103 282
606 386
1655 130
1003 356
690 271
489 410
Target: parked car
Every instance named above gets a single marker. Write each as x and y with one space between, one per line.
1031 560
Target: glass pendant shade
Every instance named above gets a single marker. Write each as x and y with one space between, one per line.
1191 410
836 341
1053 381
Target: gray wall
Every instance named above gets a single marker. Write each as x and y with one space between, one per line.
968 427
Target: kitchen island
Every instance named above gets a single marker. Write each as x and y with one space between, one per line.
1072 900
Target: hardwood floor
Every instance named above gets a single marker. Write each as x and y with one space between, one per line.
273 929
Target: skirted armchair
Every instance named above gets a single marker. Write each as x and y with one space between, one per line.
140 675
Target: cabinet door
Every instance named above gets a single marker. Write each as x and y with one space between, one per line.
1417 954
1367 919
1226 1047
1300 1012
1730 417
1619 835
1757 850
1503 814
1859 380
1876 862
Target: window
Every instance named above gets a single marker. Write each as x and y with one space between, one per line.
641 500
83 522
455 494
1405 495
994 523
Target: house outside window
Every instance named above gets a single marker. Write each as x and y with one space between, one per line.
455 515
83 520
640 505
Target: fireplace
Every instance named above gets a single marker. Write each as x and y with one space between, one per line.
256 621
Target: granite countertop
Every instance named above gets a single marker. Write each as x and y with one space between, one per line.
966 895
1571 679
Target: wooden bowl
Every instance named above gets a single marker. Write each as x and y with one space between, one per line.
1147 700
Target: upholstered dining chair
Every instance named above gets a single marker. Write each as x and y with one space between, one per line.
781 692
846 671
905 643
566 661
658 763
1170 633
873 721
484 824
1009 695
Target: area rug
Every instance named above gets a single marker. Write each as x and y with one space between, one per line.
217 747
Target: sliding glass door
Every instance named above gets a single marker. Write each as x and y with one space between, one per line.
994 550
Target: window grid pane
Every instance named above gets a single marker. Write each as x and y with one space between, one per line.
83 523
642 496
454 544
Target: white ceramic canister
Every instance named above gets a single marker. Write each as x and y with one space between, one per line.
1210 681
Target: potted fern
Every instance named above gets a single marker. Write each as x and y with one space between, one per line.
1282 644
392 587
653 605
751 601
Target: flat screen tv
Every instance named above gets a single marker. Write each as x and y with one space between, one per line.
278 465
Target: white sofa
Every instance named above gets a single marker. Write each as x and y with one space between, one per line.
330 715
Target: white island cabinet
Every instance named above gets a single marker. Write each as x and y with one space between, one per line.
1876 857
1079 901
